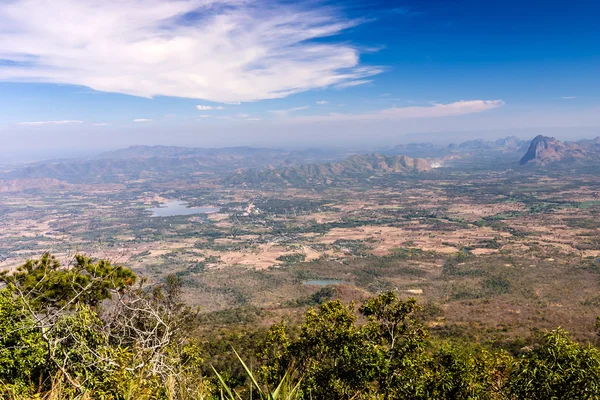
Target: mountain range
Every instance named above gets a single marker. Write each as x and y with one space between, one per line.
249 164
510 144
356 166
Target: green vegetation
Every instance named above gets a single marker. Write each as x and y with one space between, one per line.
86 331
588 204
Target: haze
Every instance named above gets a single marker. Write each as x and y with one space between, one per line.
86 76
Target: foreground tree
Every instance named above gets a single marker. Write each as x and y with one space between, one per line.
87 325
558 369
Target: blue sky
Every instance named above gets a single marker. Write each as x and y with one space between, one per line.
91 74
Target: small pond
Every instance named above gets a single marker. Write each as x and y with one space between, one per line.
178 207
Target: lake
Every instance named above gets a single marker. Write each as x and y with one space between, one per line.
178 207
323 282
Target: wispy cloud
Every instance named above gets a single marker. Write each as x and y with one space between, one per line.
283 113
344 85
208 108
397 113
204 116
101 124
142 120
322 102
253 119
41 123
219 50
568 97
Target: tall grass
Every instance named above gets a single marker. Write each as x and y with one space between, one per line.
285 390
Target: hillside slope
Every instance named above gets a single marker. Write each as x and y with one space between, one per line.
354 167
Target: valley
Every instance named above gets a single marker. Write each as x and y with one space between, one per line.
486 245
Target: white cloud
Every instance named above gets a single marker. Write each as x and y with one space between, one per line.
142 120
204 116
283 113
207 108
219 50
397 113
344 85
253 119
243 115
568 97
102 124
322 102
40 123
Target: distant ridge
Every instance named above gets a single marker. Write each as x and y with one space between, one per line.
142 151
356 166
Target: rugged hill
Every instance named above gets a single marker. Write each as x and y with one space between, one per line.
354 167
544 150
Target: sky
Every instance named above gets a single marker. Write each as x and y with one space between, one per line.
92 75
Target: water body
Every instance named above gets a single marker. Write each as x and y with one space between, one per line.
323 282
177 207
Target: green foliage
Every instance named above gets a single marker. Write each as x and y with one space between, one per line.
55 342
22 350
292 258
47 284
496 285
333 352
466 372
559 369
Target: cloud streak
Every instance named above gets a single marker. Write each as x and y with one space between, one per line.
344 85
42 123
462 107
207 108
283 113
226 51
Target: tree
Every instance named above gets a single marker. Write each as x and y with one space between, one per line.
335 358
398 340
23 355
559 369
52 330
46 284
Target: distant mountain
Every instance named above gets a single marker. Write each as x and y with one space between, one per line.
590 145
509 143
139 151
162 163
354 167
512 142
544 150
